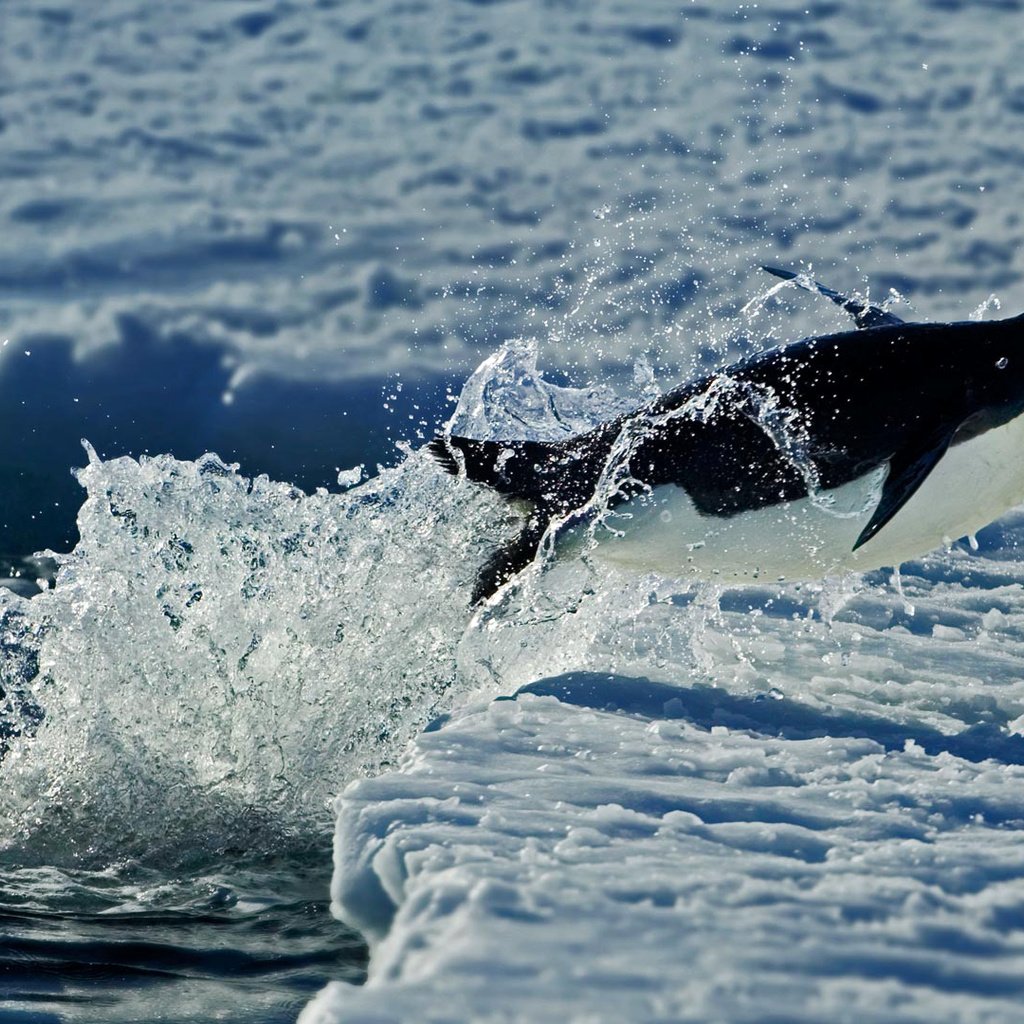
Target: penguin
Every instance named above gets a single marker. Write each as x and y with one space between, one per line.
847 451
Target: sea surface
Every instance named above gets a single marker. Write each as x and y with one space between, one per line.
287 233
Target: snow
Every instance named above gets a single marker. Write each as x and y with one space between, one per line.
820 824
361 188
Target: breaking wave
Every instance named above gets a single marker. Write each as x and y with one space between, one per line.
220 655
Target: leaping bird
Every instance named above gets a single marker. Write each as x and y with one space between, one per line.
847 451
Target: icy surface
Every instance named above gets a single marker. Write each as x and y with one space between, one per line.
752 806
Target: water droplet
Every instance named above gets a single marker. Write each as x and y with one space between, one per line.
350 477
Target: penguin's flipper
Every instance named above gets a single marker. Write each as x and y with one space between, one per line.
865 314
908 469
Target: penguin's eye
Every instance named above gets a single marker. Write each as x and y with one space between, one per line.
1002 362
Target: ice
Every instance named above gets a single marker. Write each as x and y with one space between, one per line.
607 846
602 797
705 803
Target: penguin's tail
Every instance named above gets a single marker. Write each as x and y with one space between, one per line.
518 469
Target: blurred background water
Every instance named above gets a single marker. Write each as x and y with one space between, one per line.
286 231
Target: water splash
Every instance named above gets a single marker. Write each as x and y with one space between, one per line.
981 311
508 397
219 655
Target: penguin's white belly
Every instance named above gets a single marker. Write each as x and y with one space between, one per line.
974 483
664 532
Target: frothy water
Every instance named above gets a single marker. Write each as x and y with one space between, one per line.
219 655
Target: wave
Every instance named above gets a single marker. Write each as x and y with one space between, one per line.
220 655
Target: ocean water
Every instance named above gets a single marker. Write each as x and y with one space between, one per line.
288 234
250 942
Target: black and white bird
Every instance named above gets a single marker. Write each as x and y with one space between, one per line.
847 451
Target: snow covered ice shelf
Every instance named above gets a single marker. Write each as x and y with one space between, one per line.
817 820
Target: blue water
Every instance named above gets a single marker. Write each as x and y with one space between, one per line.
286 232
144 396
248 942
